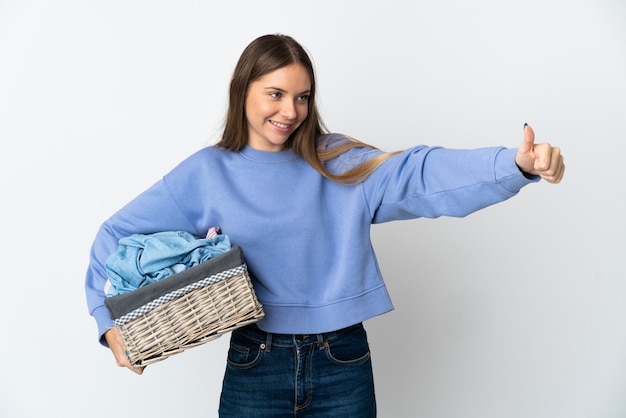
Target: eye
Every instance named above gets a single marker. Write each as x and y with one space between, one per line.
275 95
303 98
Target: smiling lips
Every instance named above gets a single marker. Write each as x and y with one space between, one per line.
280 125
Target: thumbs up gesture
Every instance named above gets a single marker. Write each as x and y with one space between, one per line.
539 159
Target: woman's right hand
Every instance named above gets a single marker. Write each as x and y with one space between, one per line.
117 346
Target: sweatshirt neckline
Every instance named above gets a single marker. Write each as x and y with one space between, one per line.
267 156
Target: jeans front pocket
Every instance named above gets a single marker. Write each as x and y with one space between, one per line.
244 353
349 349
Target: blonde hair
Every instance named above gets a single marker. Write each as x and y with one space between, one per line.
269 53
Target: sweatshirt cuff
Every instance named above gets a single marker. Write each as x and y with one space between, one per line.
104 321
508 174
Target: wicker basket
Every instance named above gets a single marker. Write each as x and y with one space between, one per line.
186 309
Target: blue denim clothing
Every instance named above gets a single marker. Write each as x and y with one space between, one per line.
280 375
143 259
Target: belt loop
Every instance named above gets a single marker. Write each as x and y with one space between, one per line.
268 342
320 340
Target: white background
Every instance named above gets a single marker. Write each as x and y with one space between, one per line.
516 311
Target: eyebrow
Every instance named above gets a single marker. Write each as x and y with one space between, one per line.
285 91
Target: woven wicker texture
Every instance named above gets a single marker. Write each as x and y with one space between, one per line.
193 319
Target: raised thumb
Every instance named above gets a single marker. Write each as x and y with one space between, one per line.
529 139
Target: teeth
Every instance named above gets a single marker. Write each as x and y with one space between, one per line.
280 125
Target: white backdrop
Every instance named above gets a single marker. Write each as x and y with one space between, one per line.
517 311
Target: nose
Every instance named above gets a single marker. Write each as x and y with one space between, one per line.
288 110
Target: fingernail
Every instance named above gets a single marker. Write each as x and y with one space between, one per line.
525 125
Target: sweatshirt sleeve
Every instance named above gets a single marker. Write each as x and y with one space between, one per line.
152 211
433 181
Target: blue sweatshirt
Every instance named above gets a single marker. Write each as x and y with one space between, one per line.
306 239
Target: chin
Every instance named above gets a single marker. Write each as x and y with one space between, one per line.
280 141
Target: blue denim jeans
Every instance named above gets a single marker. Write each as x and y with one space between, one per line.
276 375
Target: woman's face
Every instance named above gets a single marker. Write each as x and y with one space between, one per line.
276 105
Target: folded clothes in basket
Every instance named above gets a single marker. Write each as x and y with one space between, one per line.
127 306
141 259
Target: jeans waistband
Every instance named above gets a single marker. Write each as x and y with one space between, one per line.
289 340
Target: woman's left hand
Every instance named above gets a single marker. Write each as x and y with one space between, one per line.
539 159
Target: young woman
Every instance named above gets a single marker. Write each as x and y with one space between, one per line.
300 202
